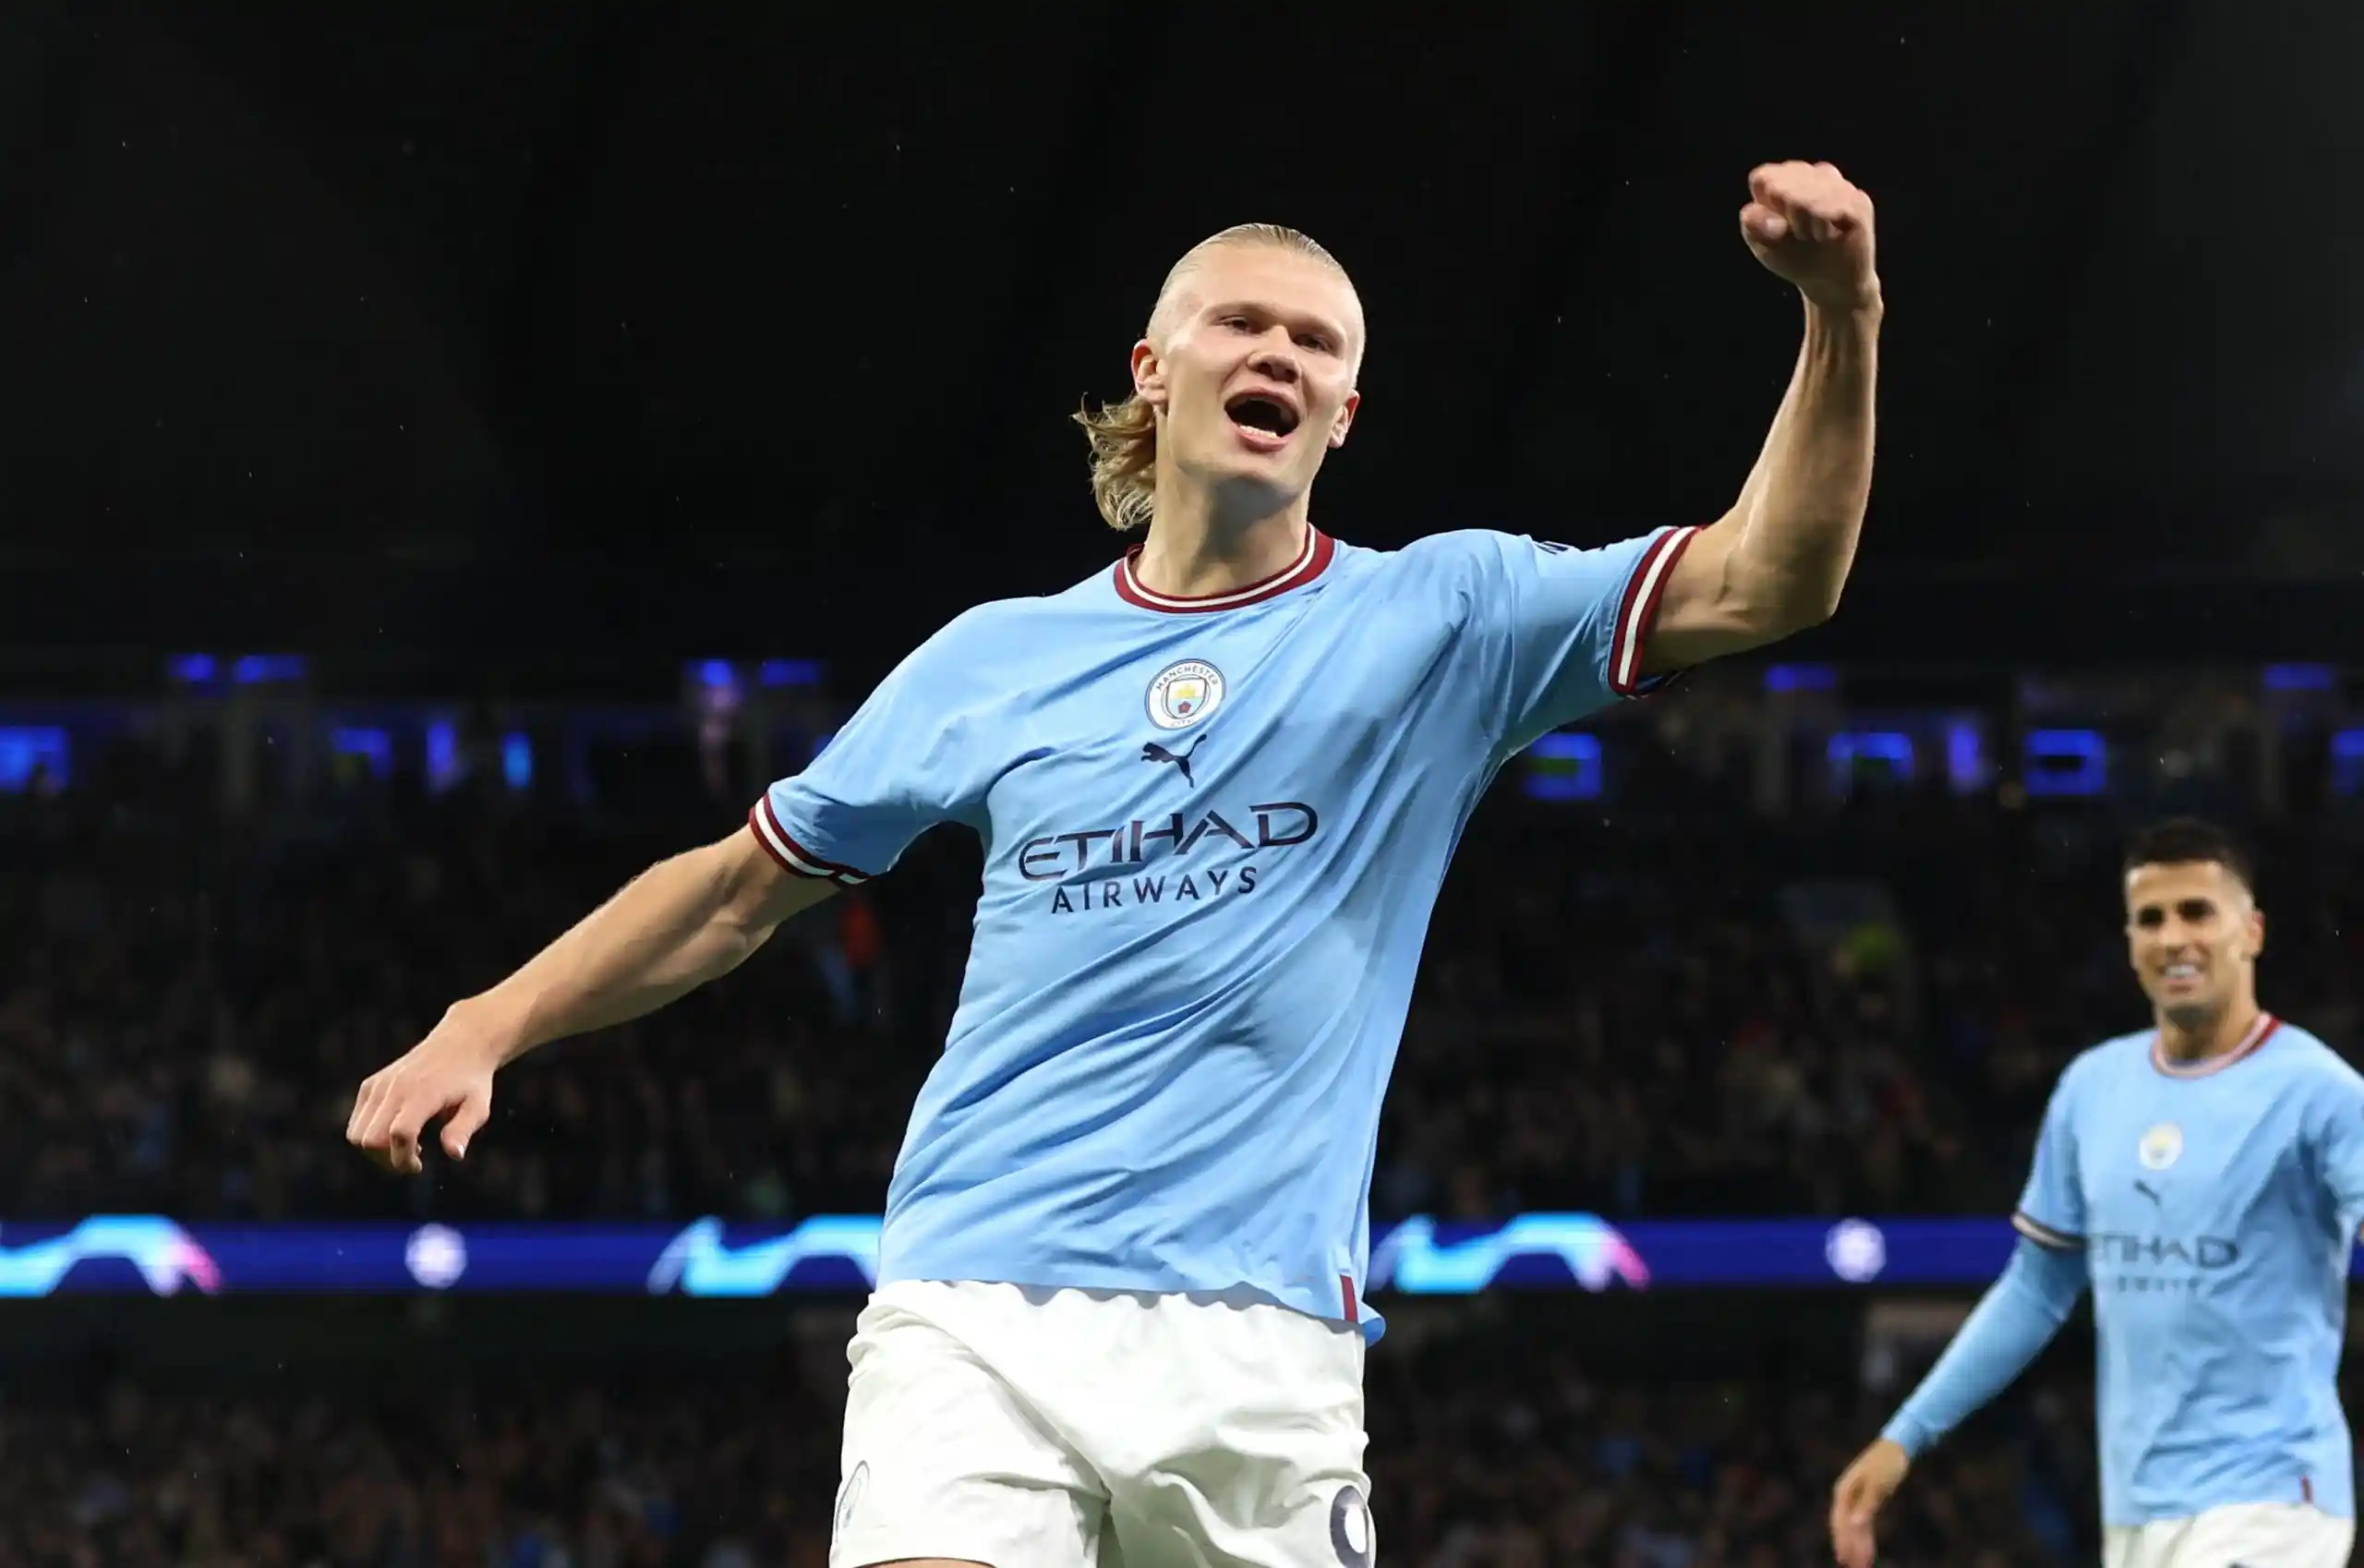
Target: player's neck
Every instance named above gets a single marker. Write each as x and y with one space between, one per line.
1205 543
2199 1039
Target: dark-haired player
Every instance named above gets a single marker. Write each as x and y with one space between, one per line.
2205 1176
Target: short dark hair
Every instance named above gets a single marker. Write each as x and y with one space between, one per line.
2187 840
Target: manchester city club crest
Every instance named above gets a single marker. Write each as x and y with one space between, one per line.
2161 1147
1184 694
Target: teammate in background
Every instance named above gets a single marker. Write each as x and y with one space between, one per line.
1119 1293
2206 1177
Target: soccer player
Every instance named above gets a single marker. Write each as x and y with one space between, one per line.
1120 1297
2205 1176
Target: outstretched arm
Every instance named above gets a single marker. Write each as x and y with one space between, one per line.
2015 1319
2012 1323
899 767
1776 563
679 924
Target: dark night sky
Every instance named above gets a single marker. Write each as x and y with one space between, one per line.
303 304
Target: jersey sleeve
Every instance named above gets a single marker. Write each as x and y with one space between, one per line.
1560 631
2007 1330
2052 1208
2336 1115
904 763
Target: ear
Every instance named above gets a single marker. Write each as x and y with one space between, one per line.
2257 933
1345 420
1149 375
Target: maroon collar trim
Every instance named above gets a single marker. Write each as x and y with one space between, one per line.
1310 562
2259 1034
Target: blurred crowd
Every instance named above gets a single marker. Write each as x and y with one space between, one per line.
1666 1010
1488 1450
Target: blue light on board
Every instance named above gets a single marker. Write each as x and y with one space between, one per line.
517 760
1800 678
28 750
2297 678
2348 762
1564 767
375 747
788 672
265 669
442 755
1965 756
2065 762
1850 748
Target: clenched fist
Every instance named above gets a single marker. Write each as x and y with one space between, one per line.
1812 228
447 1074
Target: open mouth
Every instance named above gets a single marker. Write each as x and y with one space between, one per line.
1267 415
2180 973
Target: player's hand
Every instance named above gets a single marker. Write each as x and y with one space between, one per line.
1856 1500
446 1076
1810 227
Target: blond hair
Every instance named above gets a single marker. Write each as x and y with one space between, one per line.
1123 435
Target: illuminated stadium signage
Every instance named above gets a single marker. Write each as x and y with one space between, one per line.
838 1254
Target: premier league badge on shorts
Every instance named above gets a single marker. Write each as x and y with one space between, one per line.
1184 694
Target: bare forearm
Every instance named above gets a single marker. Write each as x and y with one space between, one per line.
679 924
1802 512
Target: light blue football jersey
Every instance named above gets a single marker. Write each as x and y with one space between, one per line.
1213 833
2216 1207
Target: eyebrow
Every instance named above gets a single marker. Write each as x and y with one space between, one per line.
1303 318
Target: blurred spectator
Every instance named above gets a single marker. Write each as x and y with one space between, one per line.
1676 1011
1492 1447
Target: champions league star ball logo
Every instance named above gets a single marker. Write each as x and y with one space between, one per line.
1184 694
2161 1147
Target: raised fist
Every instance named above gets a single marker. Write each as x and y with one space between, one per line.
1813 229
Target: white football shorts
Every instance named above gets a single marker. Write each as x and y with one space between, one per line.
2245 1535
1024 1428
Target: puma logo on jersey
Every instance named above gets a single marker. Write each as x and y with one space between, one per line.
1181 760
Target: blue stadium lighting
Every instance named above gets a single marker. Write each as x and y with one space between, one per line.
2065 762
716 674
2348 762
1564 767
2299 678
27 750
375 747
1800 678
517 760
442 755
1849 747
1965 755
264 669
788 672
192 669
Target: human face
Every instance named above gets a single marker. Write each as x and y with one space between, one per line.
2194 935
1255 372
